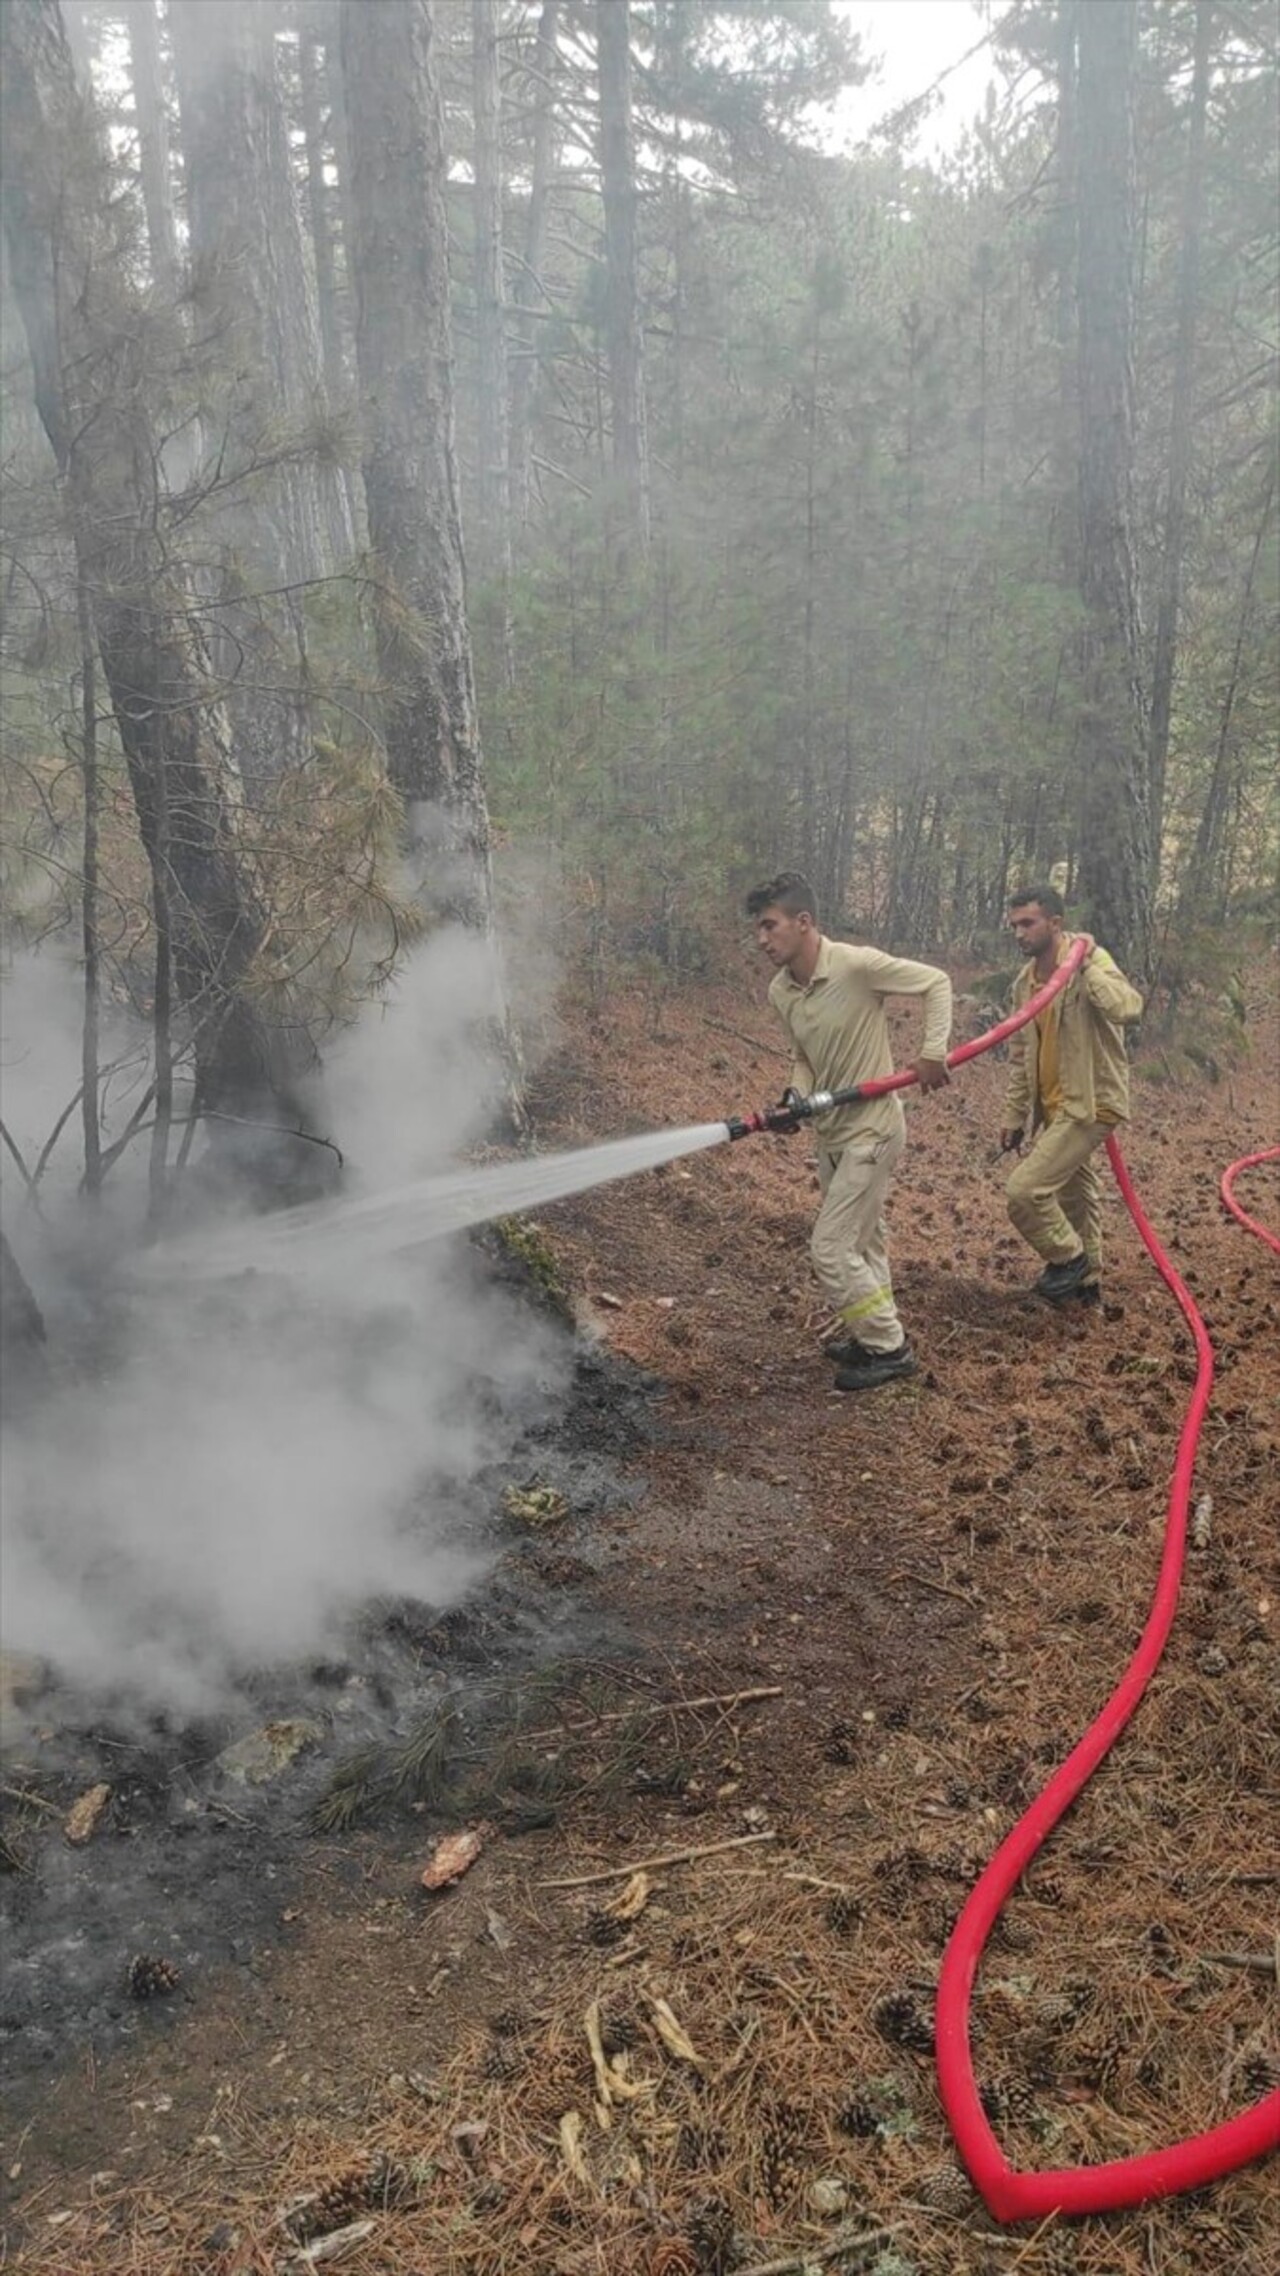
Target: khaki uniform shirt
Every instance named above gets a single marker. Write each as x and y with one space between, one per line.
840 1036
1092 1068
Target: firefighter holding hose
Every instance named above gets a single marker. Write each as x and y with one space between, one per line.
830 998
1068 1077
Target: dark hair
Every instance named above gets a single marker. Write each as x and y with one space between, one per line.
789 891
1047 897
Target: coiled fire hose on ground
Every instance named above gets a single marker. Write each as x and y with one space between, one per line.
1009 2194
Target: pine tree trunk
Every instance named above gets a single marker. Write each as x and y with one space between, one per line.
626 358
1066 312
153 143
399 269
312 62
1116 855
529 276
249 257
1164 663
528 283
89 349
1200 894
494 484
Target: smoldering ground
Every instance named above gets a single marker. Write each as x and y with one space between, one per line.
225 1471
255 1498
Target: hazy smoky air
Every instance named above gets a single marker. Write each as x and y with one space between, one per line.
225 1473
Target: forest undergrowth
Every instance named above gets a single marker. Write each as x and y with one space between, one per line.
724 2063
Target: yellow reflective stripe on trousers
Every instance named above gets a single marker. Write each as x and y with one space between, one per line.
866 1304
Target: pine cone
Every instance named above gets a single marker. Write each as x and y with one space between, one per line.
1260 2074
1082 1991
508 2023
1057 2011
619 2033
500 2060
843 1913
902 1865
709 2228
389 2185
841 1744
1046 1889
1005 2095
602 1928
699 2148
151 1978
1097 2061
900 2018
946 2191
338 2201
783 2139
858 2117
1012 1935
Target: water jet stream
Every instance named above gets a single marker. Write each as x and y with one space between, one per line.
324 1234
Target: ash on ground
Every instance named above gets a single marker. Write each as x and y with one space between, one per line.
211 1824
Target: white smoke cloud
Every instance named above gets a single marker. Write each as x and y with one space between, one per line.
226 1472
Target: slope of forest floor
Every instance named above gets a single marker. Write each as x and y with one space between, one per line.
930 1591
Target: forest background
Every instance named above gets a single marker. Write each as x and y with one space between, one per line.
913 523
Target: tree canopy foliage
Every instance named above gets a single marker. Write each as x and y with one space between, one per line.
911 522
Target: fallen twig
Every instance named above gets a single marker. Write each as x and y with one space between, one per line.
1262 1963
651 1864
813 2255
939 1588
27 1794
658 1707
740 1035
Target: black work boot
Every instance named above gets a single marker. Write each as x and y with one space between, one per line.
844 1351
1059 1281
871 1368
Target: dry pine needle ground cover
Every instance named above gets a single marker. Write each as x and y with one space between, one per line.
725 2063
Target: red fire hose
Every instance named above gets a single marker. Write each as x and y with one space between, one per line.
1009 2194
1228 1191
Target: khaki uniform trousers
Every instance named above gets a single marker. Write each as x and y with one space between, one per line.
848 1246
1055 1194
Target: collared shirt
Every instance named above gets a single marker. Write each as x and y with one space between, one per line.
840 1035
1093 1068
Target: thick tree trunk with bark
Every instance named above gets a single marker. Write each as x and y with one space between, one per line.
92 358
313 73
152 122
249 263
399 270
626 357
528 289
1116 852
1181 413
492 430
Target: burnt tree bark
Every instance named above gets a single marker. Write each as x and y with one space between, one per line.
399 271
91 355
1116 855
626 355
1164 662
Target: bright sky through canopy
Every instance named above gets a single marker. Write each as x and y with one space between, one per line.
915 41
